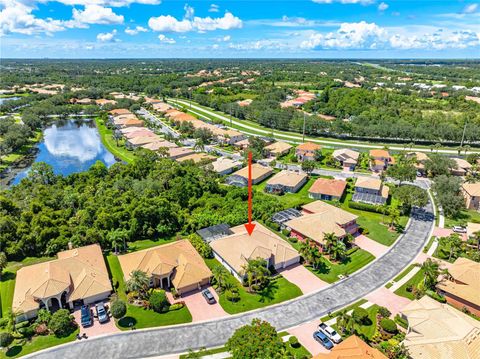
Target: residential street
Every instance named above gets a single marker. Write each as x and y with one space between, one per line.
180 338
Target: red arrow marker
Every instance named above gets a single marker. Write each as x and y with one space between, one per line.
250 226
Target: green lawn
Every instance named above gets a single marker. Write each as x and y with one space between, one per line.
137 316
109 142
348 308
401 275
300 352
414 281
369 329
36 344
291 200
464 217
329 271
279 290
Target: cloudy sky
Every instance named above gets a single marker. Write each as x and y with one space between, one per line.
241 28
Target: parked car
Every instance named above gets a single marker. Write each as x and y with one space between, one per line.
208 296
101 313
459 229
323 339
86 316
330 333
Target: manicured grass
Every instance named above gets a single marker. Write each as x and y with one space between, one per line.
147 243
348 308
139 317
279 290
291 200
109 142
205 352
329 271
404 273
37 343
429 244
464 217
414 281
369 329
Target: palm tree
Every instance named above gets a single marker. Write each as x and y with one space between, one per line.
220 274
117 237
431 272
3 262
476 238
256 271
337 250
199 145
345 322
455 244
138 282
329 239
394 215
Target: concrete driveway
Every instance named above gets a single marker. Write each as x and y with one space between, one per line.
303 278
199 308
371 246
96 329
388 299
304 334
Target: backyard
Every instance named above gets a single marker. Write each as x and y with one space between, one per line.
278 290
109 142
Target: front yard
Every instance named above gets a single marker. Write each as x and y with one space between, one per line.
329 271
278 290
465 216
411 283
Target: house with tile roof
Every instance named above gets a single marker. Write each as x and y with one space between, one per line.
306 151
371 191
278 148
175 264
380 160
78 276
327 189
352 348
462 168
286 181
240 177
235 250
461 287
348 158
225 165
471 193
439 331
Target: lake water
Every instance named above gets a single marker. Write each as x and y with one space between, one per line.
70 146
5 99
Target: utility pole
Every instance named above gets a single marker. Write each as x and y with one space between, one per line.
463 135
231 124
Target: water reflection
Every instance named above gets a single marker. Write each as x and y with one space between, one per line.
5 99
71 146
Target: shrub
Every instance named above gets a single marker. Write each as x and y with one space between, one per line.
202 248
41 329
388 325
118 309
360 315
3 322
176 306
285 232
22 324
293 239
364 207
131 296
43 316
384 312
274 226
400 321
61 323
5 339
293 341
436 296
27 332
158 301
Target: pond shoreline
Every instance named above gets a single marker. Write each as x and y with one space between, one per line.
9 174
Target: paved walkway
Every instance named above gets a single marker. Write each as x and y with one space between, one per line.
385 298
180 338
369 245
303 278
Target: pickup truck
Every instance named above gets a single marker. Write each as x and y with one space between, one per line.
330 333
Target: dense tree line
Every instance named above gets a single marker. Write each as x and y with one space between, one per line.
149 199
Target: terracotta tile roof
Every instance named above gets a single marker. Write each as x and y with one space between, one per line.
143 132
223 163
103 101
308 146
143 140
155 146
352 348
439 331
473 189
379 154
161 106
196 157
462 164
80 271
343 154
472 228
257 171
119 111
238 248
287 178
278 147
466 283
330 187
369 183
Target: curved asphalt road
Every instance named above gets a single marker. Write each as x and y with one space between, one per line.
180 338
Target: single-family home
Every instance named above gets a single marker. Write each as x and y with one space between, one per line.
463 167
102 102
84 101
352 348
439 331
306 151
196 157
244 103
471 192
286 181
348 158
231 136
140 141
380 160
161 107
78 276
225 165
461 287
143 132
235 250
370 190
240 177
327 189
472 228
278 148
118 111
320 218
155 146
175 264
177 152
420 159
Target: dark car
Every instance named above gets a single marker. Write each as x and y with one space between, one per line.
87 317
323 339
208 296
101 313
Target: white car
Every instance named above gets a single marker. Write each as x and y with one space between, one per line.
330 333
459 229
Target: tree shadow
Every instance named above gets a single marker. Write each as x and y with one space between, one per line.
127 322
14 351
267 294
322 268
6 276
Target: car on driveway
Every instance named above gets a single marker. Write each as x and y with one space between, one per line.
330 333
86 316
102 314
459 229
208 296
323 339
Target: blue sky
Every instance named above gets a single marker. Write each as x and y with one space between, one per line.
239 29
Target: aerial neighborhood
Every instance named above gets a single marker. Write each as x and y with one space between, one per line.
242 207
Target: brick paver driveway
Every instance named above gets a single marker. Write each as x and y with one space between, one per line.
304 334
200 309
97 328
386 298
180 338
303 278
369 245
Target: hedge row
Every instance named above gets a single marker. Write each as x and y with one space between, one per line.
364 207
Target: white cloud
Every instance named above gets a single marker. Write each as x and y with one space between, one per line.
167 23
213 8
215 46
226 38
165 39
94 14
363 2
113 3
135 30
382 6
189 11
107 36
470 9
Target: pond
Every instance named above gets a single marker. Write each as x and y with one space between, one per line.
5 99
70 146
